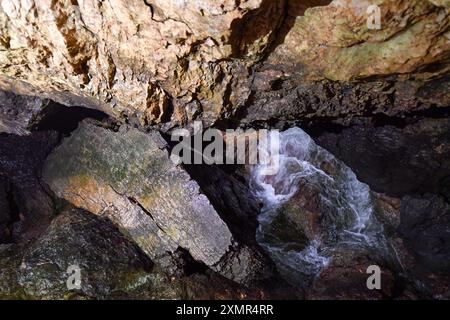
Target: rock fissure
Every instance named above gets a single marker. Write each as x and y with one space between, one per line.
134 201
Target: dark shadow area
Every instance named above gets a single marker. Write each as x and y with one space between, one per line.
227 192
65 119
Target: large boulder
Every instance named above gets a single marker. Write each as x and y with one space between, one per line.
5 210
110 266
128 177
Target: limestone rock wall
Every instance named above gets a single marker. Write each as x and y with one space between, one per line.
166 63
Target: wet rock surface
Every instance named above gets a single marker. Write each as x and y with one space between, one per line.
5 210
376 98
232 198
131 180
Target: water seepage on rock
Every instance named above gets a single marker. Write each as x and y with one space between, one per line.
313 205
128 177
346 278
110 267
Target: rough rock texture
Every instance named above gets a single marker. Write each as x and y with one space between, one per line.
279 102
345 278
19 112
134 56
233 199
404 157
5 210
417 232
335 41
21 160
169 62
382 95
426 229
111 266
387 211
128 177
75 238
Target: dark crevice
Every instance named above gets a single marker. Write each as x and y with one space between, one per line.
135 202
189 266
65 119
234 121
333 125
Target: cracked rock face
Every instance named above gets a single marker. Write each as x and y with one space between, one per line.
377 98
335 42
128 177
167 63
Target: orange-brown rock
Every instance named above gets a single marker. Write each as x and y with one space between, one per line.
169 62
